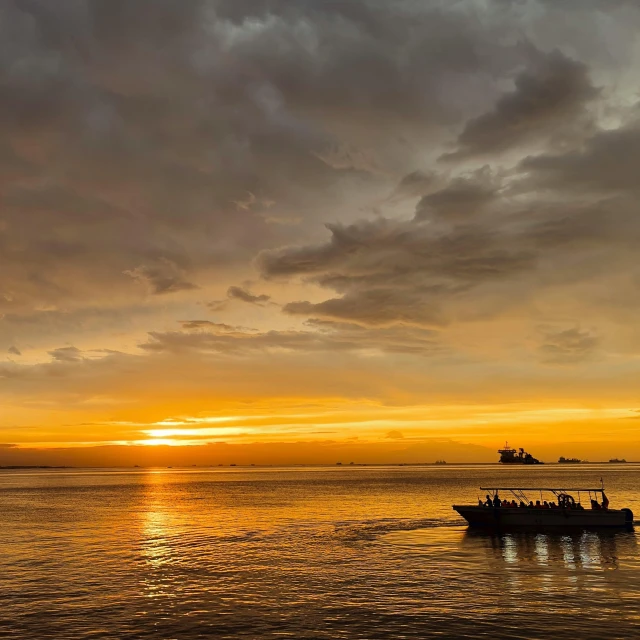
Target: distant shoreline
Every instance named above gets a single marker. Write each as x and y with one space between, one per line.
307 466
44 466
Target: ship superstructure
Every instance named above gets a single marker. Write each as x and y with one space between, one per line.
509 455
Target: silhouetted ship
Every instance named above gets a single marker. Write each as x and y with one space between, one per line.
563 460
441 462
562 509
511 456
616 460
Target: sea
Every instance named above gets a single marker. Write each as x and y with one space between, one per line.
322 552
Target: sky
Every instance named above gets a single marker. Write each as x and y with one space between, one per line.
279 232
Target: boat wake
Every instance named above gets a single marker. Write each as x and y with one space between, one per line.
372 529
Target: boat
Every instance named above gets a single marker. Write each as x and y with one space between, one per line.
440 462
561 511
509 455
563 460
617 461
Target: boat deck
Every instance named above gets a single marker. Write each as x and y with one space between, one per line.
533 518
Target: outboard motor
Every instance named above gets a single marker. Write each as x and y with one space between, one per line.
628 516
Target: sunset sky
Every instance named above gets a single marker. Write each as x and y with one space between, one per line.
281 231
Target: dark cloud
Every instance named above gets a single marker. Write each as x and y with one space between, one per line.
381 306
14 351
66 354
169 141
238 293
547 98
321 336
610 225
392 249
134 132
568 346
163 277
605 164
413 185
190 325
399 271
462 197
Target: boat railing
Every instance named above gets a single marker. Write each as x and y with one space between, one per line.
520 493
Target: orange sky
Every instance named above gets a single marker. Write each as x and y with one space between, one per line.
291 236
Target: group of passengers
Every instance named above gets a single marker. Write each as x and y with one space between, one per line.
566 504
605 503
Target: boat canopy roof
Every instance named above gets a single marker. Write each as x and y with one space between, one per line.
554 489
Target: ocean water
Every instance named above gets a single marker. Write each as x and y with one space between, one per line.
355 552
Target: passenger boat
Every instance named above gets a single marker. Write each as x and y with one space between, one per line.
561 511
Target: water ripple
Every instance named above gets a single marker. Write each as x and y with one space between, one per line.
376 553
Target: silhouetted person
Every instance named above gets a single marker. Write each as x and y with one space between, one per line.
545 505
496 500
538 505
522 504
488 502
530 504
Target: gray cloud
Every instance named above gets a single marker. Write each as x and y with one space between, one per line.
397 248
238 293
66 354
163 277
568 346
462 197
546 99
162 139
131 129
321 336
605 164
191 325
14 351
381 306
399 271
413 185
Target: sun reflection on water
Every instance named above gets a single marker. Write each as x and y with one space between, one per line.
157 530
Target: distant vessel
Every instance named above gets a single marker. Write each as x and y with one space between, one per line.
563 460
617 460
509 455
563 512
441 462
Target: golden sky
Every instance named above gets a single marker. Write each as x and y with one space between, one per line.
297 232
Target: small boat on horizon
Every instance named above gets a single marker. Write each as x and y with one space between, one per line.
562 512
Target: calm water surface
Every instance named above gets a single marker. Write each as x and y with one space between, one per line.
364 552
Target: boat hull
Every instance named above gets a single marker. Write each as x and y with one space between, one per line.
532 518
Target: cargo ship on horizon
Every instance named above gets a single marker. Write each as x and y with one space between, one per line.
508 455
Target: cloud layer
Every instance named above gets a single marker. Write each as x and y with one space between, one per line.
446 191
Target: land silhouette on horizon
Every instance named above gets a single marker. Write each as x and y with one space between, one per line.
282 454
